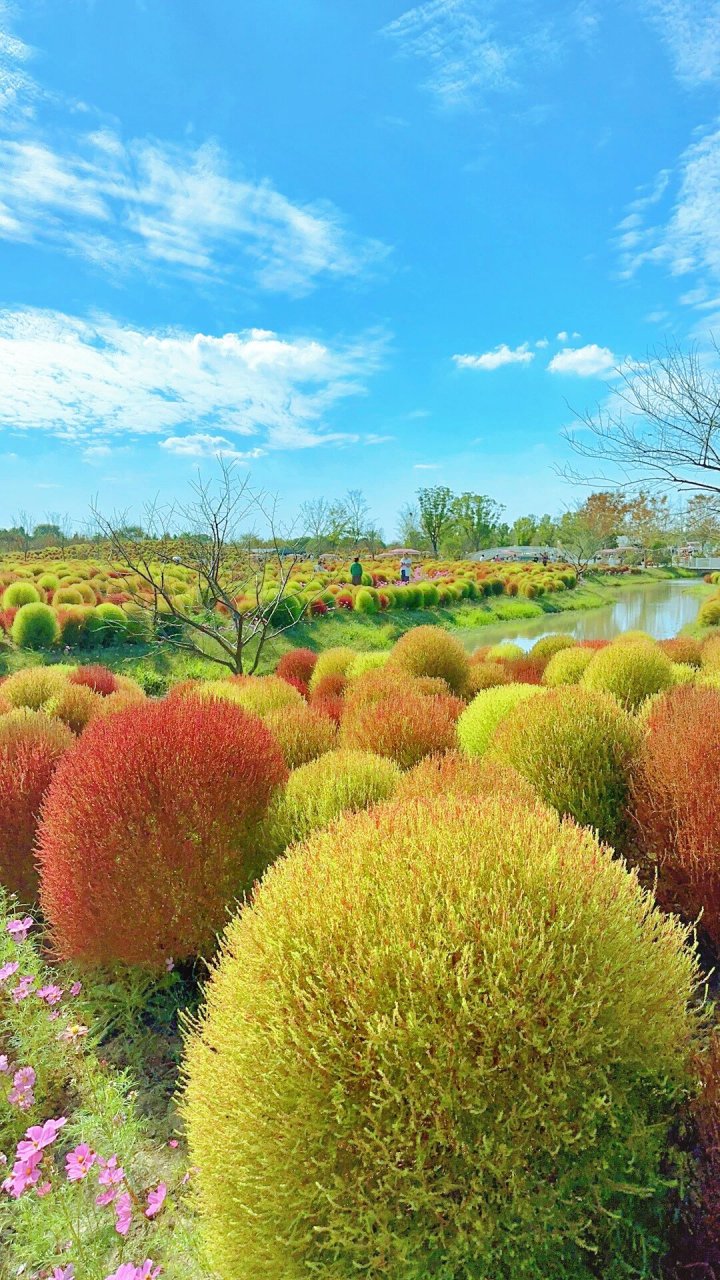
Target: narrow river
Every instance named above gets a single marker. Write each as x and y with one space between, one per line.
660 608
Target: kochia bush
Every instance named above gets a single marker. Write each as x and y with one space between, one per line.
577 748
405 726
297 664
457 775
430 651
302 733
337 783
480 719
149 829
567 666
675 801
30 747
448 1039
35 626
630 671
20 593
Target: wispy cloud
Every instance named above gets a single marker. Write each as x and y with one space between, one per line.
470 49
590 361
686 237
94 381
495 359
200 444
145 204
17 87
690 29
426 466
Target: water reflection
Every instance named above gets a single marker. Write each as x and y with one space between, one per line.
660 608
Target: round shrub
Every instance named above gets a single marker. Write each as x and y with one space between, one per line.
73 623
480 719
332 662
48 581
18 594
302 733
675 802
577 747
449 1040
404 726
33 686
35 626
683 673
297 664
98 678
108 624
567 666
430 651
710 653
75 705
30 747
366 662
457 775
526 670
68 595
544 649
486 675
339 782
708 616
505 652
683 649
366 601
149 829
631 672
259 694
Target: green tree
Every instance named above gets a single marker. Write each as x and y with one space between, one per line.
702 520
523 531
435 505
476 518
546 532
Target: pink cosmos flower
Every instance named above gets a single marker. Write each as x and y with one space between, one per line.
7 970
44 1189
18 929
173 1142
110 1172
53 1017
156 1200
128 1271
73 1031
79 1162
4 1063
39 1136
21 1098
169 964
123 1213
24 1078
64 1273
50 994
76 988
22 990
148 1271
25 1173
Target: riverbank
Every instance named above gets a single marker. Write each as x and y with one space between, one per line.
157 666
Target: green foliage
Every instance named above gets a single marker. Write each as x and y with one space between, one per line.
577 748
488 708
35 626
430 651
567 666
505 652
19 593
332 662
337 782
631 671
544 649
446 1040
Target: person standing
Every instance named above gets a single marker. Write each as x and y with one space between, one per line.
405 567
356 572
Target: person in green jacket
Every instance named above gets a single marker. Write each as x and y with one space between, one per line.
356 572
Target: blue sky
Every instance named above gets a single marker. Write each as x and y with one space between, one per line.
368 245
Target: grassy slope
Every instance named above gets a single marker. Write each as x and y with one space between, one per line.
360 631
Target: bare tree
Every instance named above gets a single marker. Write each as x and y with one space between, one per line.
25 526
662 426
357 514
242 596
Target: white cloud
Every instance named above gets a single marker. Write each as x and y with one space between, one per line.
585 362
542 343
426 466
502 354
562 336
146 204
688 240
15 83
200 444
691 31
91 381
458 43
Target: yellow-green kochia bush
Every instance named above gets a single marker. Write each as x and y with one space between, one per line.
430 651
630 671
567 666
448 1039
488 708
577 748
35 626
335 783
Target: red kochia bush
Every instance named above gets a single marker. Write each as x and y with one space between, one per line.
526 670
30 747
297 664
149 829
675 801
98 678
404 727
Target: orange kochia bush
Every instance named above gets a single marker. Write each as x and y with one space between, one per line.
98 678
30 747
297 665
405 726
675 801
150 829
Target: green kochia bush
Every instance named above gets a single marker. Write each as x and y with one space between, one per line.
631 671
488 708
35 626
19 593
577 747
333 784
448 1039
